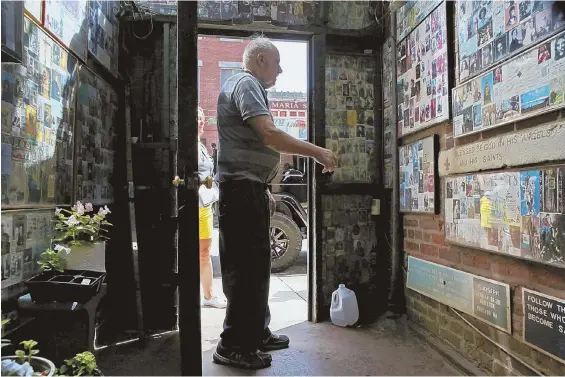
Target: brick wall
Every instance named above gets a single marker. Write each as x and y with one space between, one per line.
212 50
424 238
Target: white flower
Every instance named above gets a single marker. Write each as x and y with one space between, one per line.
67 250
72 221
58 211
88 207
79 208
104 211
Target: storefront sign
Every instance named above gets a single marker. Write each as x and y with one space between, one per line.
512 149
485 299
288 105
544 323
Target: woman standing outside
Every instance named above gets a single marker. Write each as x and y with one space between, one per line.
208 194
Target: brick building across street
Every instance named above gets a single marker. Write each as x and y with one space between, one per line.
218 59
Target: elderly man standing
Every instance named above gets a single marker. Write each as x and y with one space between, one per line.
248 159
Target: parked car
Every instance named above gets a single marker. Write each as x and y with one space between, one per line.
289 224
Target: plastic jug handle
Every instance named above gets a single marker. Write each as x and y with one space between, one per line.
334 297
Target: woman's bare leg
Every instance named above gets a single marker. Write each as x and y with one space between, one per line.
206 272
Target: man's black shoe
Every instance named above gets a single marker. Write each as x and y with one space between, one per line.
241 359
275 342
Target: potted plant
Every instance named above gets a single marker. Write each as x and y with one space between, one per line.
83 364
26 362
83 231
55 283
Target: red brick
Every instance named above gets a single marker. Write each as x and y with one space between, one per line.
427 237
418 234
517 324
510 268
547 278
449 143
410 223
478 261
430 250
411 246
431 224
439 239
410 233
450 254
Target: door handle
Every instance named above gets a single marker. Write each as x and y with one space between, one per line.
178 181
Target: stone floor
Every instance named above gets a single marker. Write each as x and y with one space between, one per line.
388 347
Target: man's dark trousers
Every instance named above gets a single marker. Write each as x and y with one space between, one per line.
245 257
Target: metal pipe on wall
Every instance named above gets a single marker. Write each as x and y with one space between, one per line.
396 293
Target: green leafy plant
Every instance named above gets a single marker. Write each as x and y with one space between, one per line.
83 364
81 225
51 259
28 352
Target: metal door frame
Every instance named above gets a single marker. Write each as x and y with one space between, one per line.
190 334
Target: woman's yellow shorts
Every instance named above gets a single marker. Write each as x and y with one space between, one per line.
205 222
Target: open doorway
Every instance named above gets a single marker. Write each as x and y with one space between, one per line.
219 58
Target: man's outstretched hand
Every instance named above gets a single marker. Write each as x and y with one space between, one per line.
327 159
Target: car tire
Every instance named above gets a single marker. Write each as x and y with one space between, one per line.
288 236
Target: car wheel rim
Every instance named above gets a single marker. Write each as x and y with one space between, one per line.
279 243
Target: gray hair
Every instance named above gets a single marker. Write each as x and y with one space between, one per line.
257 46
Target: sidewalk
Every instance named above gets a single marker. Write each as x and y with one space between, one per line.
287 300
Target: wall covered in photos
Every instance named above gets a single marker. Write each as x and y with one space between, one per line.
388 87
349 243
524 86
411 14
37 123
519 213
490 31
350 15
39 137
68 21
12 25
277 12
103 28
97 107
417 176
422 75
25 235
350 125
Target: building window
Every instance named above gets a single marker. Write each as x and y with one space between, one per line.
228 69
231 40
275 113
282 113
301 113
293 113
226 73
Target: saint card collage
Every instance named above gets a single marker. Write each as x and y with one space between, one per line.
417 176
422 85
350 119
519 213
38 100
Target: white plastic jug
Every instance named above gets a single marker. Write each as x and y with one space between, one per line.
344 310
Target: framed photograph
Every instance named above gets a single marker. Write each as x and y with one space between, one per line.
418 176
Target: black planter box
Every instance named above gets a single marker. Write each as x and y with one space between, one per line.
66 286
